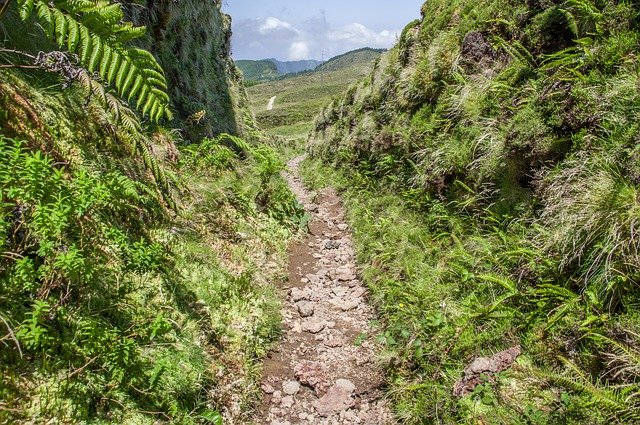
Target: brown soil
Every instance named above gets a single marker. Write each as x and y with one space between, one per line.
324 370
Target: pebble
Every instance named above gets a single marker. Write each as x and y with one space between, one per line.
291 388
333 343
335 400
345 275
287 402
298 294
267 388
340 291
331 244
349 305
346 385
342 227
305 308
313 327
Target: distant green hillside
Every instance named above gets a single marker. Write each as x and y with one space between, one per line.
300 97
364 55
261 70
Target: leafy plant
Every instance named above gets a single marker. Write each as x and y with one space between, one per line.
95 31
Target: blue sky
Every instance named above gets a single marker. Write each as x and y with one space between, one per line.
294 30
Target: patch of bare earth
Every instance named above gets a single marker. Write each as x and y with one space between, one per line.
323 371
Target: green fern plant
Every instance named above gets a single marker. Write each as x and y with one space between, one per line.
129 131
96 33
619 401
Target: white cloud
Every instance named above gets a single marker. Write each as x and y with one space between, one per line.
299 50
273 37
271 25
358 34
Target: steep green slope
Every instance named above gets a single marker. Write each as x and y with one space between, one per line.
346 60
191 40
299 98
491 166
134 267
257 71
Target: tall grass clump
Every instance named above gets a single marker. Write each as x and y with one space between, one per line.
494 160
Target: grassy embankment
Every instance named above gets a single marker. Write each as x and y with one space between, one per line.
490 169
136 271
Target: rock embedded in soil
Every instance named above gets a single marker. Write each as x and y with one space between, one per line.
346 385
298 294
291 387
485 366
345 275
348 305
286 402
331 244
335 400
267 388
313 326
305 308
312 374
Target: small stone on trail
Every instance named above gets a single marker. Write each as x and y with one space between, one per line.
291 387
335 400
287 402
276 398
305 308
299 294
267 388
342 227
313 326
345 274
339 291
311 374
361 361
333 343
346 385
347 305
331 244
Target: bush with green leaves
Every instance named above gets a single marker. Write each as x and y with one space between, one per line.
502 136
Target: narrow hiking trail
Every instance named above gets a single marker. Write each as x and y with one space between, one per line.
323 371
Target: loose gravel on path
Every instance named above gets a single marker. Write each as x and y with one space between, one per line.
323 371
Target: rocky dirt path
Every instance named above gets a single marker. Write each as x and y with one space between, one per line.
323 371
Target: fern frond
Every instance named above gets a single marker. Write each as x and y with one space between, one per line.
94 30
572 23
25 8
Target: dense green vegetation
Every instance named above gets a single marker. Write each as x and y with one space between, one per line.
349 59
257 71
489 163
134 267
490 166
